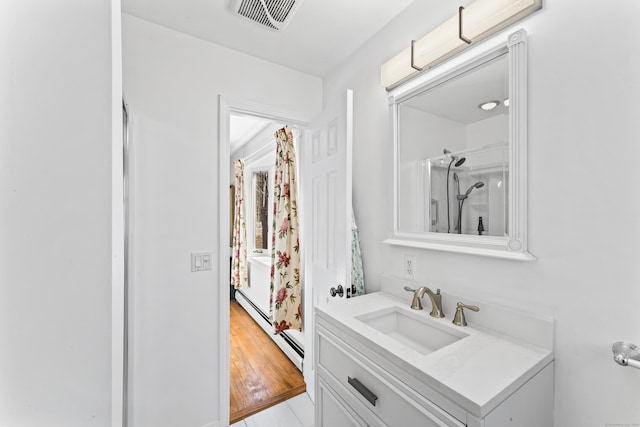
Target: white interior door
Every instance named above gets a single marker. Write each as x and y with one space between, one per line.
326 212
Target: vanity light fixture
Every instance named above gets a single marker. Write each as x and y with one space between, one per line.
489 105
506 102
479 20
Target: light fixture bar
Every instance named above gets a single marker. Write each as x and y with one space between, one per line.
460 26
482 18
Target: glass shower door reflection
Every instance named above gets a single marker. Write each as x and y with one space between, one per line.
467 192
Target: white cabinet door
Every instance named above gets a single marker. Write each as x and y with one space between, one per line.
326 211
530 406
330 412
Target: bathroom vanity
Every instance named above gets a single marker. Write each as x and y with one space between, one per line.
378 362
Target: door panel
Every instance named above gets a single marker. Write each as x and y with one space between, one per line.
327 211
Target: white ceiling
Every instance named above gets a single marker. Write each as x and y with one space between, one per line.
321 35
458 99
243 129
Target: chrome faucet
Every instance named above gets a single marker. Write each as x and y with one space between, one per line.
436 300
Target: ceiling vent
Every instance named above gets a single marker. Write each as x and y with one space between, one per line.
273 14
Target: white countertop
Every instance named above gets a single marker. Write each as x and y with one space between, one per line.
476 372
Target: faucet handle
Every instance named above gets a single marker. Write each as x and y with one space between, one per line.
459 318
416 303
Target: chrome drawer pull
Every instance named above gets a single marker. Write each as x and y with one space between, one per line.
365 392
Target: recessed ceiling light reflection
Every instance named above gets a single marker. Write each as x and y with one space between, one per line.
489 105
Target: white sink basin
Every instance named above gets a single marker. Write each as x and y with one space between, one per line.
411 329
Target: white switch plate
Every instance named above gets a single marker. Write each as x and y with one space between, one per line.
206 261
201 261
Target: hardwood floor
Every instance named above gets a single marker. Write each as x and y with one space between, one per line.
261 375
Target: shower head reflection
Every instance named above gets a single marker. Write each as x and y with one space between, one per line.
461 198
478 184
464 196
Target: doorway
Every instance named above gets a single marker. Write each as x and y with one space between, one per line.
265 369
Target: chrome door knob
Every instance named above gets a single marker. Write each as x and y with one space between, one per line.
339 291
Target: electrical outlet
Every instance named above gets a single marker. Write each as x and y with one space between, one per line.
409 266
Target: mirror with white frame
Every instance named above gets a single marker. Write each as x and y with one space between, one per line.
460 142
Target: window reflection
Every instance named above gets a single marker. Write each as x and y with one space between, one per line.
261 202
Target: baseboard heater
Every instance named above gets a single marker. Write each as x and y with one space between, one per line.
294 345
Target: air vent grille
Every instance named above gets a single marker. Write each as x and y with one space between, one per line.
273 14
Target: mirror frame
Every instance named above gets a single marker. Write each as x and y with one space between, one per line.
514 245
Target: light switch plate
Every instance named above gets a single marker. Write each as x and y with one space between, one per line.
201 261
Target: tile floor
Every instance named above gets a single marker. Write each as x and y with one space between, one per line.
295 412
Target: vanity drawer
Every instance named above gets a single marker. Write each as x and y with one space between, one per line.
375 390
332 410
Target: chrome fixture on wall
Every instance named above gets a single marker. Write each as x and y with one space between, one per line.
626 354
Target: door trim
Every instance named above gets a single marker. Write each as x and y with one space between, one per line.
118 291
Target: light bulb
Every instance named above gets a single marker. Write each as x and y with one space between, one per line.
489 105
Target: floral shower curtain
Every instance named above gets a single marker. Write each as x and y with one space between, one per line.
285 303
239 277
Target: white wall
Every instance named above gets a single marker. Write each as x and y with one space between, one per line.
259 290
583 98
55 213
172 82
425 135
257 144
491 131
